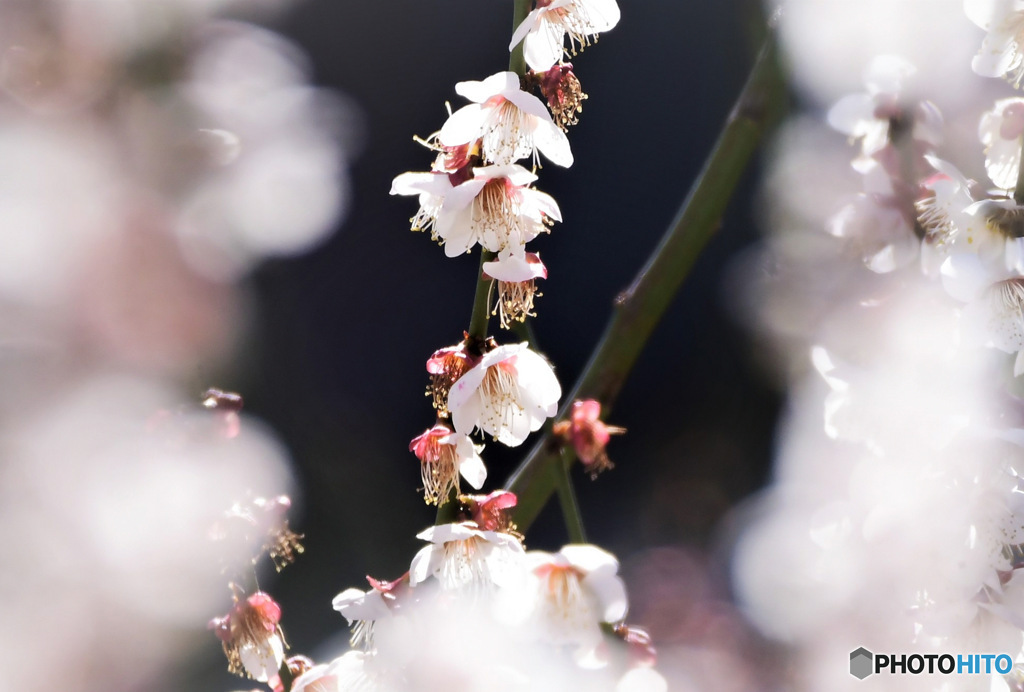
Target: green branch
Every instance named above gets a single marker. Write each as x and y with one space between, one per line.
640 307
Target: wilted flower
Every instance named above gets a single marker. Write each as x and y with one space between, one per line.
561 89
251 636
445 366
508 394
444 456
488 512
544 30
588 435
510 123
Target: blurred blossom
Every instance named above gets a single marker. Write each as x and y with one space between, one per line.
151 153
830 42
113 502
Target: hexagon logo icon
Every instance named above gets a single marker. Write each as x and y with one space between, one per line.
861 663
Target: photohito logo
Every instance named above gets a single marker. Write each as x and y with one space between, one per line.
864 663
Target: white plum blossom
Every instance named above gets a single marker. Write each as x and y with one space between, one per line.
545 28
516 274
573 591
1001 130
497 209
363 609
1000 54
507 394
463 557
510 123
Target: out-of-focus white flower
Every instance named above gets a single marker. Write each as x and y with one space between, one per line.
879 229
444 456
995 304
285 188
510 123
1001 130
516 274
573 592
943 215
1000 54
995 232
508 394
868 116
464 558
545 28
350 671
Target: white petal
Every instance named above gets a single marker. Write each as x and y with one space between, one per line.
603 14
436 184
983 12
424 563
524 28
1002 162
964 276
887 74
553 143
610 593
589 557
464 387
543 202
529 104
463 126
465 412
497 83
544 46
262 660
997 56
1018 364
851 113
642 679
472 466
514 429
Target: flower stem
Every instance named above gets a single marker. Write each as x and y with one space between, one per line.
481 307
516 61
640 307
567 499
1018 192
446 510
284 673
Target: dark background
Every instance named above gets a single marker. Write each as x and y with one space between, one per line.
335 357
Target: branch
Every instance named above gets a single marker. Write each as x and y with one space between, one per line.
640 307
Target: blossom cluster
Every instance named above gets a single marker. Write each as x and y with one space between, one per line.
475 608
896 520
